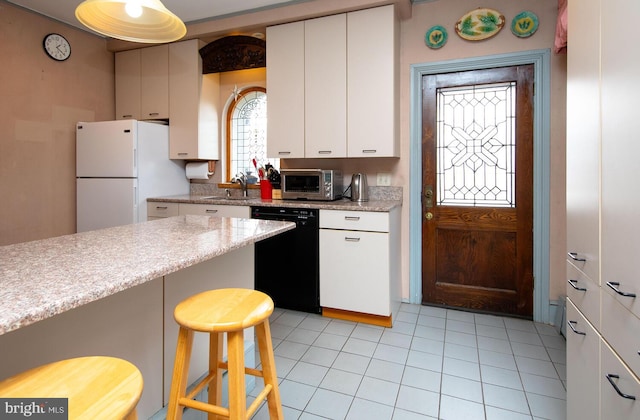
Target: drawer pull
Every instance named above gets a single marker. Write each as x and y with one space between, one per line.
574 256
154 114
610 377
573 284
324 152
369 150
183 154
127 116
161 207
352 218
574 328
614 285
211 210
348 239
284 153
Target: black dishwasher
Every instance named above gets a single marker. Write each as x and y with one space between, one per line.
286 265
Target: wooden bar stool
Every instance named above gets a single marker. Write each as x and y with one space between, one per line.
97 387
216 312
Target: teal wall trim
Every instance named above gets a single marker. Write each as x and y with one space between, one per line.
541 61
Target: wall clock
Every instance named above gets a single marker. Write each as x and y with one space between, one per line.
56 46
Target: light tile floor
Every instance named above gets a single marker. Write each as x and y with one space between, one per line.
434 363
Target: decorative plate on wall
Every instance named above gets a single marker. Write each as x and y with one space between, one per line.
436 37
524 24
479 24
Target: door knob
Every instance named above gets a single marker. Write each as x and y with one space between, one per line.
428 215
428 196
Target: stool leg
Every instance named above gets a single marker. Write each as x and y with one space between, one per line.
270 376
215 386
237 388
180 373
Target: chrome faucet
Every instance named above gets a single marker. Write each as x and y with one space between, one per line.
241 179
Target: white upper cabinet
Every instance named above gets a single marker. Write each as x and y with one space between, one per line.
373 83
142 83
332 84
285 90
154 68
128 88
583 143
193 106
325 74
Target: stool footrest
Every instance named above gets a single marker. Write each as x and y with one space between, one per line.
202 406
188 401
200 385
248 371
259 399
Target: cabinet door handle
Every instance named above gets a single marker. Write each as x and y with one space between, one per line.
161 207
610 377
352 218
211 210
574 328
127 116
153 114
284 153
369 151
573 284
574 256
348 239
614 285
324 152
183 154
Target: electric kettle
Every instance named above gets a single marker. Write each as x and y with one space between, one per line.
359 187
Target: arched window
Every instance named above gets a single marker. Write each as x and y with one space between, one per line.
247 132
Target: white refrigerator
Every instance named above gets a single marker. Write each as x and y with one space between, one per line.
119 164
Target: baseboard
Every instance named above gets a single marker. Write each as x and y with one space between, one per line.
380 320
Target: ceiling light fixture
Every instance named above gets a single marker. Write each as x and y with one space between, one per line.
146 21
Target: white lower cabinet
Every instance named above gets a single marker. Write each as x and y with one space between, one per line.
160 210
216 210
583 366
359 261
620 389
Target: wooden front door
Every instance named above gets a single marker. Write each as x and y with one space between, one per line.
477 190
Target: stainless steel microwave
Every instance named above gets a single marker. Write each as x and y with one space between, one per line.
311 184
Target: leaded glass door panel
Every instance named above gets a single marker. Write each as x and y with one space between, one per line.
478 190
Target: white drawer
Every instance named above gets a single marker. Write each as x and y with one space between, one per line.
158 209
354 220
614 372
622 330
628 292
216 210
584 293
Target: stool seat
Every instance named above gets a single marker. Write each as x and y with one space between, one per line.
97 387
219 312
223 310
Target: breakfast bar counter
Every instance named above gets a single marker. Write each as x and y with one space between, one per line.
112 291
43 278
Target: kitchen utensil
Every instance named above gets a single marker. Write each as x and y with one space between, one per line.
359 187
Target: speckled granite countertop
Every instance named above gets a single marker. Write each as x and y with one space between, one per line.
343 204
44 278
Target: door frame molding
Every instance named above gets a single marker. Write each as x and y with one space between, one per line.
541 135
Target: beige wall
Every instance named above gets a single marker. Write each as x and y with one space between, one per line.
40 102
45 98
